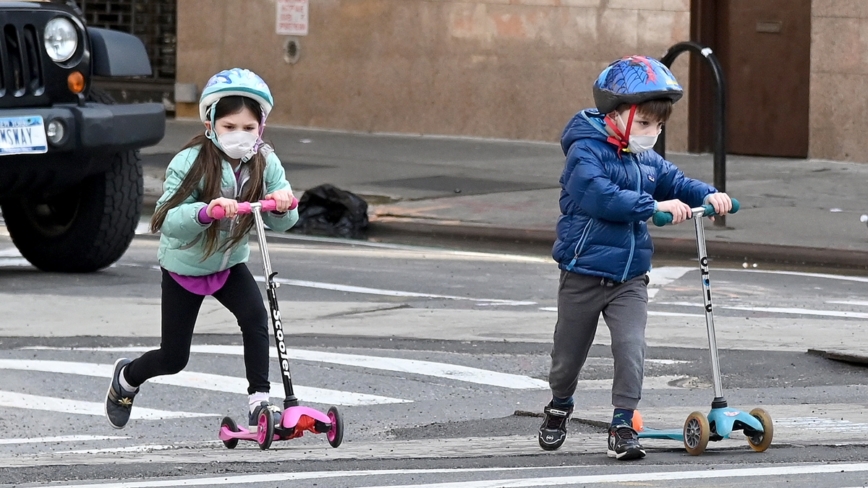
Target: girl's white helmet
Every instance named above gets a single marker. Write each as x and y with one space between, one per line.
235 81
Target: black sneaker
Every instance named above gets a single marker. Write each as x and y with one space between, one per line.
118 401
624 443
253 419
553 431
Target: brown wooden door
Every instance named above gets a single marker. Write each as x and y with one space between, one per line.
764 47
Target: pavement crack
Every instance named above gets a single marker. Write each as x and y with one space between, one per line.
361 312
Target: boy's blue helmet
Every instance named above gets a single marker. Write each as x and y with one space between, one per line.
634 80
235 81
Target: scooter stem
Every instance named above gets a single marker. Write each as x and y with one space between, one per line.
719 402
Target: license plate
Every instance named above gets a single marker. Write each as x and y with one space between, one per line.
22 135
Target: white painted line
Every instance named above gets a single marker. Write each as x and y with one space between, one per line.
650 313
63 438
646 476
793 311
391 293
14 263
10 252
425 368
64 405
143 227
860 279
822 424
859 303
202 381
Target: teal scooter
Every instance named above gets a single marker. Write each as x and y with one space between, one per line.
721 421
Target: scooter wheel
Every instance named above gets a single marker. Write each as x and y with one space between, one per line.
335 435
760 441
696 432
231 426
265 428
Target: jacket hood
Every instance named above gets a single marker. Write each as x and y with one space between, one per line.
585 124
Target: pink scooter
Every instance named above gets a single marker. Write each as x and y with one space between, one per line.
295 419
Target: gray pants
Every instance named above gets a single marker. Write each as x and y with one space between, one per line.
581 300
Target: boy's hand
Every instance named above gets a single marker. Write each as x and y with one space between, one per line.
283 199
721 202
230 207
680 211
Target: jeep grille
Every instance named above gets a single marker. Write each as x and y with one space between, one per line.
22 67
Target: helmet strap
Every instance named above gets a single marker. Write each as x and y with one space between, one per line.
621 139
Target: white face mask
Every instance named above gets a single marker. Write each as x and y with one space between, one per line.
237 144
640 144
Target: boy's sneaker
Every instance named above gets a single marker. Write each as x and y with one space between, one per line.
118 401
253 419
624 443
553 431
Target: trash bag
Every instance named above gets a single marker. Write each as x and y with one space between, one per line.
330 211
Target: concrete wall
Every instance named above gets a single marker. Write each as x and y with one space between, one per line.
515 69
839 79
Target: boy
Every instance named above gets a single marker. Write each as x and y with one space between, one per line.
611 184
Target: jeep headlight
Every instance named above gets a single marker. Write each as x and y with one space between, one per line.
61 39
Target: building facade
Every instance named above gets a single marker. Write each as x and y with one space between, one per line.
519 69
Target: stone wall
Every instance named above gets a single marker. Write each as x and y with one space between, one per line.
513 69
839 79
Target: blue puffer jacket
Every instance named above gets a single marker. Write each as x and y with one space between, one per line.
605 201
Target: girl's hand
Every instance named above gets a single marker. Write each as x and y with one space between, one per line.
230 207
721 202
680 211
283 199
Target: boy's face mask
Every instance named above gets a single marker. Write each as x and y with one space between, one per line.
237 144
638 143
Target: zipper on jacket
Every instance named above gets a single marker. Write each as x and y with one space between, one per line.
228 253
580 245
632 224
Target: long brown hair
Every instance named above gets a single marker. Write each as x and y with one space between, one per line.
206 174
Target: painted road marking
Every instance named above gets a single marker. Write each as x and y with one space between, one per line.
793 311
202 381
821 424
63 405
412 366
650 313
646 476
62 438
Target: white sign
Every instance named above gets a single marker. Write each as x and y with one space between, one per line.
292 17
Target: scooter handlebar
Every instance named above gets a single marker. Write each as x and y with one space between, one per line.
246 207
663 218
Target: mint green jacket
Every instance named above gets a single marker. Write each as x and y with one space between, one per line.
182 239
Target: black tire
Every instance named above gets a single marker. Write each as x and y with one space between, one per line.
229 424
87 227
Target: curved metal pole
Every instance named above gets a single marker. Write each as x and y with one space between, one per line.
718 116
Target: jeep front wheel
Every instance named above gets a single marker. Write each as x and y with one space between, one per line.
85 228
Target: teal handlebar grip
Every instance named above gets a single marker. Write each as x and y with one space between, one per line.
663 218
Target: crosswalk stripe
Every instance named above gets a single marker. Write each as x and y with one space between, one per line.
62 438
11 399
643 476
202 381
425 368
793 311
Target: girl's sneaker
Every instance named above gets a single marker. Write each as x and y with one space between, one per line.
119 401
553 431
624 443
253 419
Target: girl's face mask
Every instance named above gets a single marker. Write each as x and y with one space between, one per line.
237 144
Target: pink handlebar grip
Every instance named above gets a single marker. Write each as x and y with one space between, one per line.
244 208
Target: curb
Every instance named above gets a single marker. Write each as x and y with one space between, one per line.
783 254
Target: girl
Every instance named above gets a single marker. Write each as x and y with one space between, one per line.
200 256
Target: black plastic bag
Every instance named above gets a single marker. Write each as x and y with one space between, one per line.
330 211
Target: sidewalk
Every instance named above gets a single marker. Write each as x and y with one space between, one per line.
794 211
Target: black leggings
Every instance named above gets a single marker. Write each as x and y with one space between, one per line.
241 296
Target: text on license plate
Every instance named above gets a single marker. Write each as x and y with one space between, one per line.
22 135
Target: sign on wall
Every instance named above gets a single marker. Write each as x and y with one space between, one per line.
292 17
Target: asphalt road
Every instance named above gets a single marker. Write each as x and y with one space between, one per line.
437 359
